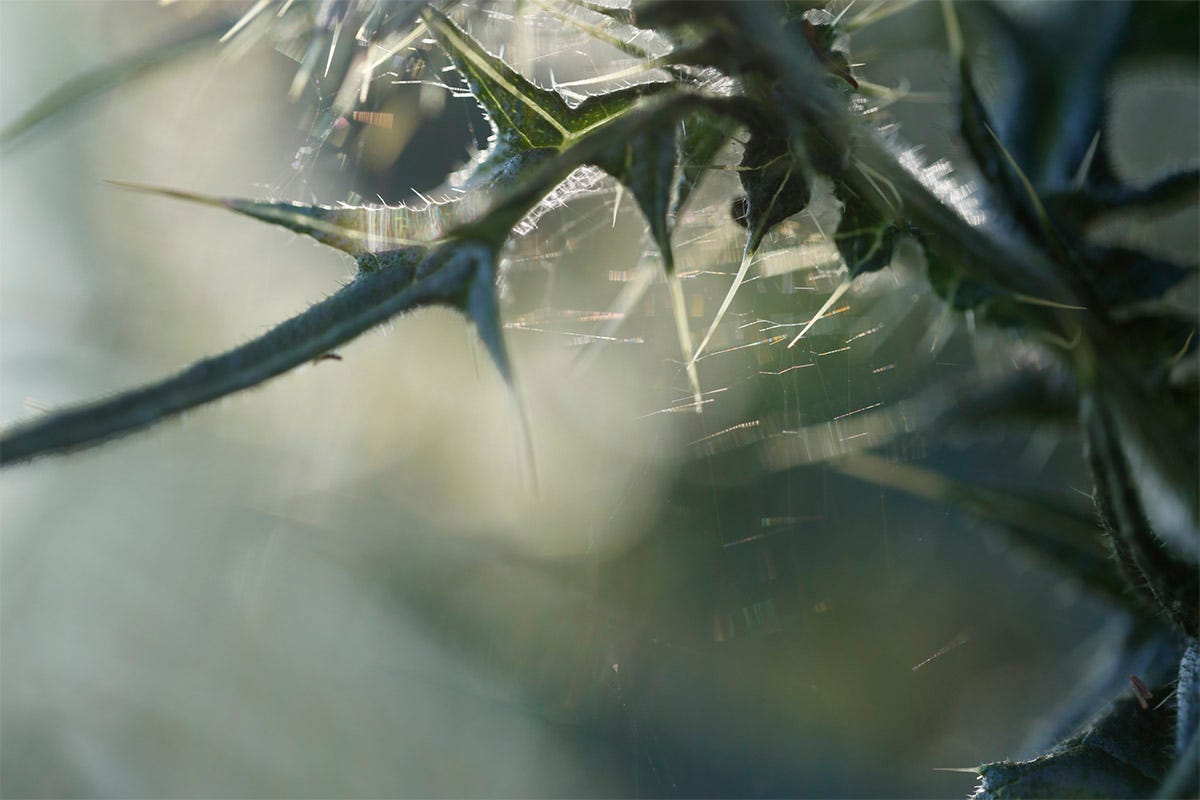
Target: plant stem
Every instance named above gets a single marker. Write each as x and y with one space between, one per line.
369 300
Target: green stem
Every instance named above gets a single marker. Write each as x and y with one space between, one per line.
371 299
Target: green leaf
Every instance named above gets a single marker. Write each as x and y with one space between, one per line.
865 237
1125 753
599 148
705 134
1157 341
529 122
643 157
1058 61
952 282
775 189
774 186
1078 208
1161 31
525 115
976 128
1081 772
646 164
1122 277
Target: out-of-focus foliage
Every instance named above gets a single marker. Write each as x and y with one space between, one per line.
1098 339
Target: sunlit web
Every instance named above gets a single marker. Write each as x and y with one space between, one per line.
802 369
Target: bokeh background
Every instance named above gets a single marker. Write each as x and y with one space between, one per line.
339 584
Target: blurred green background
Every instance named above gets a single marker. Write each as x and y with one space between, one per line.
338 585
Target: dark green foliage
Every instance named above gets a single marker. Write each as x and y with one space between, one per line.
865 237
954 285
1100 315
1120 276
1125 753
1075 209
774 184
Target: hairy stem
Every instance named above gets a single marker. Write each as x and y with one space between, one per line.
371 299
1173 584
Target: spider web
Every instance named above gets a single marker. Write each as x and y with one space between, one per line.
583 274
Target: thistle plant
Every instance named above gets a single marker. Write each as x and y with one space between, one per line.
774 84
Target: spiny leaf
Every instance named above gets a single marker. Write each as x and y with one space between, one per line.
357 230
461 273
1074 772
1079 208
615 13
644 158
646 165
774 186
953 283
596 148
450 274
646 130
369 300
775 190
1127 509
865 237
1126 277
1126 753
528 121
1161 31
1057 68
524 114
103 79
662 165
975 126
705 135
1158 341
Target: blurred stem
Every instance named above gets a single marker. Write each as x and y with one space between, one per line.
99 80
